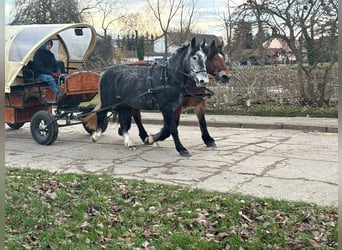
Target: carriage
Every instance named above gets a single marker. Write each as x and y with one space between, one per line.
29 100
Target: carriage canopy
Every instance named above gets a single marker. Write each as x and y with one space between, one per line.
72 44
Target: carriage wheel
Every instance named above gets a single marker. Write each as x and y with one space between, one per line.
104 126
15 125
44 128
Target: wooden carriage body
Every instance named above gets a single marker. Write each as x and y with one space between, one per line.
25 100
25 96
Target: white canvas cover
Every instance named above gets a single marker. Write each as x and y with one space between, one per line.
72 42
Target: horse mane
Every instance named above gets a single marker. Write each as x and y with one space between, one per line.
173 61
184 46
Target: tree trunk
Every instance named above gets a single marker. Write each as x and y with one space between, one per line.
165 44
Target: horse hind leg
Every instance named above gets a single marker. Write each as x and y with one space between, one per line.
96 135
99 125
128 142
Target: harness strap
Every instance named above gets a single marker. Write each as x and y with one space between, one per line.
155 90
200 71
163 76
107 108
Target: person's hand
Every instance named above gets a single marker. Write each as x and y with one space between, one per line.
55 74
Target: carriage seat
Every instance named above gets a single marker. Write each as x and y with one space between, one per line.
28 71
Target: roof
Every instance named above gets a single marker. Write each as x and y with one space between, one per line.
22 41
266 51
277 43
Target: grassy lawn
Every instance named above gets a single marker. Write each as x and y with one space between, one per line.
71 211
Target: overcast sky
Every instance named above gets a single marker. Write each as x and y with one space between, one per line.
207 20
207 11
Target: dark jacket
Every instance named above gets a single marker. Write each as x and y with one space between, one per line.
44 62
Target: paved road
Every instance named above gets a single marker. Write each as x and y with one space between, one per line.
278 163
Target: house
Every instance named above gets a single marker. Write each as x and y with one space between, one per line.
280 49
274 50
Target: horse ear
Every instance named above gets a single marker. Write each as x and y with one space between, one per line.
203 44
212 45
204 47
221 45
193 42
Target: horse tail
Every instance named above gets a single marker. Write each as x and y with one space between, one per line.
90 121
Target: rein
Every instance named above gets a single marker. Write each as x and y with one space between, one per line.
208 92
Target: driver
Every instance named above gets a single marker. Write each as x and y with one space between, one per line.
45 67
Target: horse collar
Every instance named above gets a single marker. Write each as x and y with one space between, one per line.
163 78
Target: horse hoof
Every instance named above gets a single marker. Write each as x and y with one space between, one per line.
211 144
185 153
149 140
93 137
96 135
120 131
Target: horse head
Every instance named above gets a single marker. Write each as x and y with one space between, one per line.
190 59
215 63
197 59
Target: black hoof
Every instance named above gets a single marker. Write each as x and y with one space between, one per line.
211 144
120 131
185 153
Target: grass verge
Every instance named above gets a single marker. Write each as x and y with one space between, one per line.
274 110
72 211
262 110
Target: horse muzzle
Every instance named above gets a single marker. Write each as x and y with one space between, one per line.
223 77
201 78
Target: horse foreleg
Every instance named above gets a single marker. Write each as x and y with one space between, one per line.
200 111
179 147
170 126
144 136
165 131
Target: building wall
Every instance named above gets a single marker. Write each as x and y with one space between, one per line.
159 46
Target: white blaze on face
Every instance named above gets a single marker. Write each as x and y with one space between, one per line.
198 69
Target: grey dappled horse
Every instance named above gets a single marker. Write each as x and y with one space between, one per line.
156 87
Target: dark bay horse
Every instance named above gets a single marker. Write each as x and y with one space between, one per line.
156 87
216 66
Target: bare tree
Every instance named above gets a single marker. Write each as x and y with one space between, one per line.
107 12
136 21
299 23
229 19
105 15
44 12
187 14
164 12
